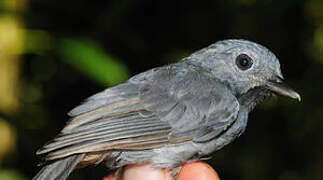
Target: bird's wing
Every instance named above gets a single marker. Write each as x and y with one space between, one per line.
194 103
160 107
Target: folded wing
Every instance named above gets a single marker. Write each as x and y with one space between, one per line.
160 107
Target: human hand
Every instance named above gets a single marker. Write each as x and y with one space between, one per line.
189 171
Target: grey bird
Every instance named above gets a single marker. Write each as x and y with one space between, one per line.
168 115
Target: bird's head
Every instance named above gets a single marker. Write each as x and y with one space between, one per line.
243 65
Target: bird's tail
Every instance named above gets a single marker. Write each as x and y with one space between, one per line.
60 169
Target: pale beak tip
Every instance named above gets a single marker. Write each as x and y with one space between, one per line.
282 89
298 97
295 95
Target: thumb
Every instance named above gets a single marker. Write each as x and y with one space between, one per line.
197 170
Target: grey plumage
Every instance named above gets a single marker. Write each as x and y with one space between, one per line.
171 114
59 169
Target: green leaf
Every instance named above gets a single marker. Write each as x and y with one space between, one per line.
90 59
11 175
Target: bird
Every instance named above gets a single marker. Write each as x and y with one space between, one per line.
168 115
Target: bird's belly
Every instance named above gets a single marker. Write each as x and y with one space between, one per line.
174 155
164 157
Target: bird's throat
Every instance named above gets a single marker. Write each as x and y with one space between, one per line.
252 97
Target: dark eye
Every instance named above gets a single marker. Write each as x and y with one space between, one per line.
244 62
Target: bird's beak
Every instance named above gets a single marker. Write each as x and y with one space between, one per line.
277 86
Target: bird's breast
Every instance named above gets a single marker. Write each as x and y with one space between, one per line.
234 131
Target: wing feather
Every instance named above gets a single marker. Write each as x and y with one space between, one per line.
167 105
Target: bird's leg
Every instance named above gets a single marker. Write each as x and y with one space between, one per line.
175 171
118 173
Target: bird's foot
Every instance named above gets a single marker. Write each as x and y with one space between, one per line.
175 171
118 173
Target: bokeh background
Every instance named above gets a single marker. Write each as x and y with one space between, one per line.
53 54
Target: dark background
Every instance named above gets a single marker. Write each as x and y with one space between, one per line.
64 51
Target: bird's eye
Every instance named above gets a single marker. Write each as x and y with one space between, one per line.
244 62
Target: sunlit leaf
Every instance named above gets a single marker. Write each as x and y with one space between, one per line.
318 38
89 58
9 74
11 45
11 35
14 5
11 175
7 138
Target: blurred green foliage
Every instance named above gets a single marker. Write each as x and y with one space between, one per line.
37 41
11 175
89 58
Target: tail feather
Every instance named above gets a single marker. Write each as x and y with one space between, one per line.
60 169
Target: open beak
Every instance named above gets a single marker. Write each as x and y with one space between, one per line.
278 87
